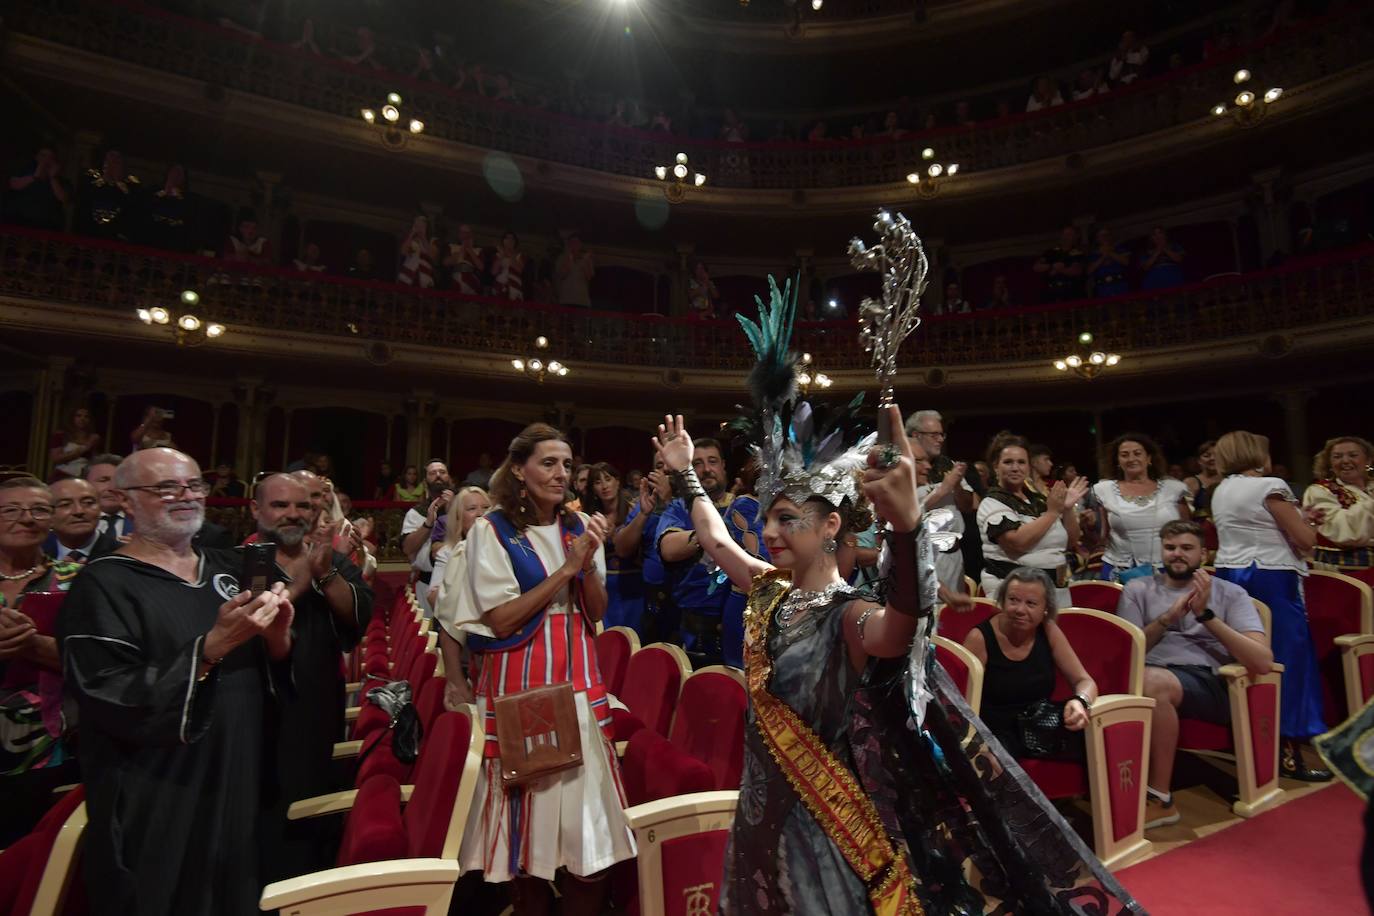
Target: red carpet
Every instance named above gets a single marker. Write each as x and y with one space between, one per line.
1300 858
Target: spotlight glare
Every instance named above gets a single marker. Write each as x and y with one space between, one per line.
1273 94
536 364
1061 365
913 178
681 159
188 322
190 297
214 329
394 98
817 4
1218 110
390 113
1113 359
1097 358
661 172
519 365
417 126
1074 361
953 169
144 316
927 153
541 342
699 179
159 314
679 171
935 170
369 115
1245 99
1242 75
1086 337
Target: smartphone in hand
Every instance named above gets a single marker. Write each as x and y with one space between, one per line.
259 565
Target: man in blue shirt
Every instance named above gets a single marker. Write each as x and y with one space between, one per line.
698 588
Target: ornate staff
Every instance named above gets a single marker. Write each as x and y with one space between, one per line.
901 259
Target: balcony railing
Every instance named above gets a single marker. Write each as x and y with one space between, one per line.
58 268
127 31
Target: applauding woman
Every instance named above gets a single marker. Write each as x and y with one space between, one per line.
1020 527
537 578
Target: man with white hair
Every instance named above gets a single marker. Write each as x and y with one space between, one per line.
948 487
171 667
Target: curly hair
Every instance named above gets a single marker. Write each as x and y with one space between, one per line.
506 491
1321 462
1110 467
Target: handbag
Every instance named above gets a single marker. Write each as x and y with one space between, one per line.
1135 572
393 698
538 733
1043 734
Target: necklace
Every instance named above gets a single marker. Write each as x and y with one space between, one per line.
21 575
1144 500
800 600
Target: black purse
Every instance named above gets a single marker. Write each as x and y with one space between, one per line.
1043 734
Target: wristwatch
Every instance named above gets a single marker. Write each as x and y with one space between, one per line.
1206 615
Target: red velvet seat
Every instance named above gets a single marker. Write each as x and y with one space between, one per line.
614 647
709 724
956 625
1337 605
1099 596
38 869
682 842
653 681
371 717
654 768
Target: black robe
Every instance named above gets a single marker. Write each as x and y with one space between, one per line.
307 722
172 766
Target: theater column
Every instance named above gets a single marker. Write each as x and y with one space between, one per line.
1297 454
46 415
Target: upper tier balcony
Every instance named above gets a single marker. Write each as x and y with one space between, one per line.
77 287
1320 63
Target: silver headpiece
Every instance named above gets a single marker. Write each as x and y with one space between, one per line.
802 451
901 260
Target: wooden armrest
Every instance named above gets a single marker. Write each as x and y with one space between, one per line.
1235 671
353 686
1351 640
351 714
345 749
620 748
1118 702
332 803
393 877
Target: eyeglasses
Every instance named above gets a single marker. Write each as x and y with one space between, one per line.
87 502
37 513
169 490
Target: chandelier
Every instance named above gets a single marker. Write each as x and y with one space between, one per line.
189 329
537 366
1248 108
1087 367
931 174
809 376
675 179
389 121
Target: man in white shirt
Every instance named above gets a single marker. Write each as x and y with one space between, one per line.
76 510
422 530
1193 625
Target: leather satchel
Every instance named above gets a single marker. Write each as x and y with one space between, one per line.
538 733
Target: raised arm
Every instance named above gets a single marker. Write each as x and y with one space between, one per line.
673 443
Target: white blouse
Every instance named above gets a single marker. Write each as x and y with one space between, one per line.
490 577
1246 531
1133 527
1048 553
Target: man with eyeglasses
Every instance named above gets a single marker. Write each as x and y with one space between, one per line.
172 666
954 485
76 510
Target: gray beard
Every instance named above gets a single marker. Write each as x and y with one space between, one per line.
167 531
286 537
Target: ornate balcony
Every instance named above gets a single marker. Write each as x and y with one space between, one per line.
125 31
71 284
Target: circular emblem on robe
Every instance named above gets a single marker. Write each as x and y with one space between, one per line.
225 585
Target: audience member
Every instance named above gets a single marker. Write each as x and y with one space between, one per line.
423 529
1044 95
363 267
1193 625
36 754
1201 484
1343 495
1000 297
1089 83
702 293
698 604
332 606
624 578
106 207
1107 266
245 245
637 538
115 524
410 488
1042 468
1162 264
1136 500
481 475
955 303
963 114
1129 60
1020 527
150 432
169 213
1262 535
226 484
418 253
309 261
508 269
949 564
1022 648
386 483
38 194
76 512
573 272
947 488
449 578
170 664
70 449
465 263
1062 267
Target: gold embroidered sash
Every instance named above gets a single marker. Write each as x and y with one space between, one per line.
825 785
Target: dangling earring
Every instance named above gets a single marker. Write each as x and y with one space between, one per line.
829 546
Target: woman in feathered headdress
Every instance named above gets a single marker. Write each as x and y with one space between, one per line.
844 807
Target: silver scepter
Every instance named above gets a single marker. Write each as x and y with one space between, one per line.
901 259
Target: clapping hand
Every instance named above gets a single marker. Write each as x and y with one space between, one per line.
15 631
582 552
247 615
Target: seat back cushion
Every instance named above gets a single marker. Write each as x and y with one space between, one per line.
710 725
374 831
438 772
1104 648
653 680
613 657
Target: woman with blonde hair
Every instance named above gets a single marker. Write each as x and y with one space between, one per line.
1262 537
450 572
1344 495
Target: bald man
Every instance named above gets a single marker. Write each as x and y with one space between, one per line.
333 605
173 668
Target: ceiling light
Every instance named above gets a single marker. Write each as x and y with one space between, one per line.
145 316
661 172
1245 99
214 329
927 153
393 98
913 178
1086 337
190 297
1242 75
1273 94
417 126
159 314
369 116
188 322
699 179
390 113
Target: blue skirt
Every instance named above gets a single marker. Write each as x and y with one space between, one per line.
625 598
1281 589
